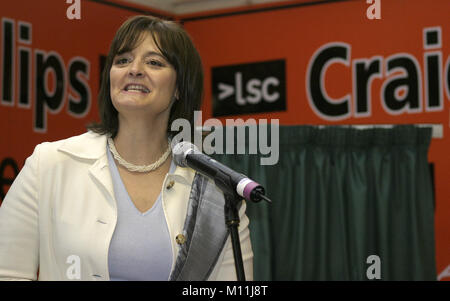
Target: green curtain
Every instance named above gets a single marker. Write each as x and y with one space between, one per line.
340 195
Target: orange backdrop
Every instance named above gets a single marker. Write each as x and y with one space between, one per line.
297 32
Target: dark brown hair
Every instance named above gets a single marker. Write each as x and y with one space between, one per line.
178 49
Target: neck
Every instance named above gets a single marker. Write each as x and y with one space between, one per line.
141 143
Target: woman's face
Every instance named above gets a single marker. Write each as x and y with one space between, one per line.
142 80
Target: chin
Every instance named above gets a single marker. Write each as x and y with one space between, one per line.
130 105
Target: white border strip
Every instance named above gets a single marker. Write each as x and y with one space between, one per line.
437 129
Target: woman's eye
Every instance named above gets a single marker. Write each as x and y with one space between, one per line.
121 61
155 63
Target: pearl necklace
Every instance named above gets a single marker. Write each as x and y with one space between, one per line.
138 168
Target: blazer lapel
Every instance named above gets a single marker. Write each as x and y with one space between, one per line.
100 175
92 147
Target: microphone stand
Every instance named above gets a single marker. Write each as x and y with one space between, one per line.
232 221
232 199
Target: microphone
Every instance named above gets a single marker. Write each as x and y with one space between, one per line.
187 154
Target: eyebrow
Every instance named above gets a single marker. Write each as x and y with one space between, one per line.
150 53
147 54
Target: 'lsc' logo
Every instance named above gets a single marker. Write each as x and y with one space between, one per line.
249 88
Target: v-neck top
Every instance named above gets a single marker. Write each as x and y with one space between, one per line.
140 248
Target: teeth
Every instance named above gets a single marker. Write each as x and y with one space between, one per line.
137 88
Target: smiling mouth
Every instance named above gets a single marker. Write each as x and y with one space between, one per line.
136 88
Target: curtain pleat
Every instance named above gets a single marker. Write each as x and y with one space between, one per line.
340 195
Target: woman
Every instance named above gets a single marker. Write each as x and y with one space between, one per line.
110 204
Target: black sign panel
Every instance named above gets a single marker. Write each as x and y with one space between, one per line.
249 88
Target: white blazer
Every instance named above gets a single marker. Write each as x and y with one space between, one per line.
60 214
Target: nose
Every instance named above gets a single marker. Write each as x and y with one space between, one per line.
135 69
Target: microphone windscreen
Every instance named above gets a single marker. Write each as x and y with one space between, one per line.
181 150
